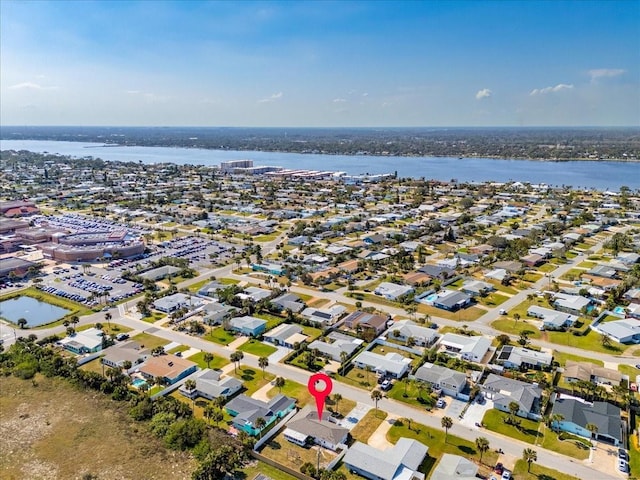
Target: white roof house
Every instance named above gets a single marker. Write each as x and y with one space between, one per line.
454 467
392 363
469 348
552 319
400 462
571 303
391 291
621 331
407 329
86 341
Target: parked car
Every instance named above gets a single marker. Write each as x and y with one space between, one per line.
122 336
506 474
623 466
441 403
503 311
499 468
386 385
623 455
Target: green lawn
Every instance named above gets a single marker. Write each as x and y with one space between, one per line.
179 348
254 468
634 456
114 330
629 370
217 363
295 390
311 332
414 395
220 335
514 328
562 357
252 378
538 472
586 264
149 341
464 315
590 342
154 317
257 348
272 320
358 377
571 448
198 285
435 439
368 424
493 300
528 432
547 268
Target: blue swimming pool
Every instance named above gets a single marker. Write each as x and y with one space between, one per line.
432 297
139 382
619 310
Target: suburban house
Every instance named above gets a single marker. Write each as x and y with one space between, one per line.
211 384
476 288
452 300
289 301
454 467
435 271
287 335
339 344
246 410
602 271
249 326
116 355
518 357
576 415
590 372
552 319
450 382
377 322
400 462
174 302
255 294
392 364
271 268
211 289
472 349
570 303
86 341
403 330
504 390
168 367
324 316
391 291
215 313
305 428
621 331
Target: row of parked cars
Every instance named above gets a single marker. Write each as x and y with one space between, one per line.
64 294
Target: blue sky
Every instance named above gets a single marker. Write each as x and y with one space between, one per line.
321 63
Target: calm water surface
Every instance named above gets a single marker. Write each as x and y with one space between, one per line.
599 175
35 312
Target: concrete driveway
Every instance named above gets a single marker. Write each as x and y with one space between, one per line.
455 407
354 416
475 413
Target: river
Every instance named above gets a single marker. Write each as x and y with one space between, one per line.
600 175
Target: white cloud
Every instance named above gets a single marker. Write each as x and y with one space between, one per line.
484 93
272 98
605 73
339 100
30 86
557 88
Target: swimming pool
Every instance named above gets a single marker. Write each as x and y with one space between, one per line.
139 382
619 310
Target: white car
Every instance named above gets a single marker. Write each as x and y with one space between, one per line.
506 474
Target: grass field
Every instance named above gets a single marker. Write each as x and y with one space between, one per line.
528 432
217 363
252 378
538 472
149 341
114 330
296 390
53 430
368 424
220 336
493 299
512 327
272 320
562 357
257 348
464 315
254 468
293 456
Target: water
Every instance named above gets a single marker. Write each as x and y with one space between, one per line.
600 175
138 382
35 312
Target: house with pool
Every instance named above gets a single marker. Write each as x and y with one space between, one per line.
246 411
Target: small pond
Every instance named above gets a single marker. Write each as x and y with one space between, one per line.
35 312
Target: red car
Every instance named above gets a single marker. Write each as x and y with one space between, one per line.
499 468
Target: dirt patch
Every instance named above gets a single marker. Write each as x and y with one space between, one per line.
50 430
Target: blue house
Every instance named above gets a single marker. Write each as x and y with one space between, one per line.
577 415
272 268
249 326
246 411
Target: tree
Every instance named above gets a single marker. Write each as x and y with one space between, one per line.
336 397
99 326
446 423
514 408
190 386
556 418
482 444
22 323
107 317
208 357
220 462
523 340
503 339
605 340
263 363
593 428
279 383
529 455
260 424
376 396
343 358
236 358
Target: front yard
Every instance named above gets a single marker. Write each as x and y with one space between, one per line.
538 472
257 348
146 340
298 391
217 363
220 336
368 424
293 456
252 378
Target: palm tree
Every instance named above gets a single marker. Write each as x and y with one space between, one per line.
514 407
605 340
263 363
260 424
556 418
236 357
376 396
190 386
343 358
22 322
593 428
446 423
529 455
208 357
336 397
209 411
279 383
482 444
107 317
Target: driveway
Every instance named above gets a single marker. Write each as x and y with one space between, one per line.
475 413
378 439
354 416
279 354
455 407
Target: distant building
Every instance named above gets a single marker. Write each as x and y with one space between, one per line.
249 326
400 462
86 341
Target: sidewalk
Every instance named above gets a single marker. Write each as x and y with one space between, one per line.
237 343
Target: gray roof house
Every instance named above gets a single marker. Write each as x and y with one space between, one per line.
472 349
211 384
249 326
405 329
551 319
517 357
340 343
289 301
451 382
392 364
399 462
305 427
504 390
622 331
452 300
577 415
570 303
286 335
247 410
454 467
176 301
215 313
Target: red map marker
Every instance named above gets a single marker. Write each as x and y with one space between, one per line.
320 396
